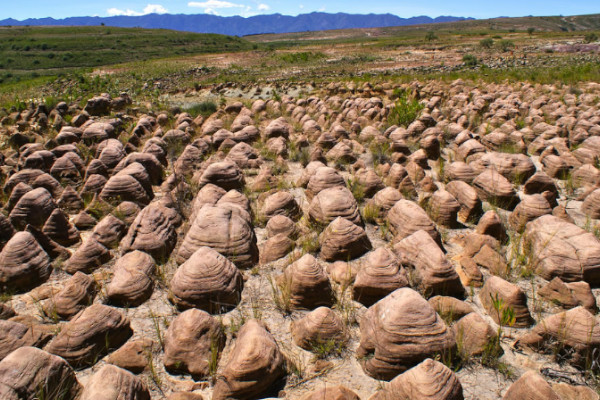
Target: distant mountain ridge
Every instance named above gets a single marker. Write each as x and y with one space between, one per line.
240 26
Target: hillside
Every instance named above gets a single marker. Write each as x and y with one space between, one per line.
43 50
240 26
574 23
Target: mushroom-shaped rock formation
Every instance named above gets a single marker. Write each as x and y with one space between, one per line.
406 218
124 187
23 263
450 308
591 204
133 355
514 167
109 231
470 205
14 335
114 383
132 280
89 256
276 247
280 224
33 208
494 188
443 208
227 230
491 224
322 178
306 284
380 275
430 380
385 199
225 174
254 364
530 208
76 295
318 327
244 155
400 331
193 339
569 295
28 371
530 386
90 334
152 231
474 334
60 229
343 240
576 331
433 272
281 203
207 280
564 250
460 171
332 203
509 296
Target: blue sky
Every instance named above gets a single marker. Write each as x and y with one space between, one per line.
403 8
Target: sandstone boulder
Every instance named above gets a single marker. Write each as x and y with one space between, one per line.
400 331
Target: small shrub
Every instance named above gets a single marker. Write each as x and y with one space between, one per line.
486 43
591 37
470 60
506 45
205 108
431 36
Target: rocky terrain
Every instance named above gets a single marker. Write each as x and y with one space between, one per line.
417 241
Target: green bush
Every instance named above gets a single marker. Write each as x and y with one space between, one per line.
506 45
470 60
591 37
486 43
430 36
204 108
405 110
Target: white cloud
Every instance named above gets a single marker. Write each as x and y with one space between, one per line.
214 4
115 11
149 9
263 7
155 9
301 6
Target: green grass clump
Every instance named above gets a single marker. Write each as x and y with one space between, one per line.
205 108
404 111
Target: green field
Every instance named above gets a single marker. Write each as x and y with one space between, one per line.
27 52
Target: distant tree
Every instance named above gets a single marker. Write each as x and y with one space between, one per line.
486 43
591 37
101 23
431 36
530 30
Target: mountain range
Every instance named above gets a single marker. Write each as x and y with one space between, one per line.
240 26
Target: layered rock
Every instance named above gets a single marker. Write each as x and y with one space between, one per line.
563 250
380 275
207 280
193 339
227 230
93 333
132 282
254 364
399 332
343 240
23 262
433 272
